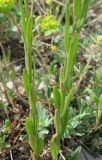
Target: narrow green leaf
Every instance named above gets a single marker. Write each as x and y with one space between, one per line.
76 154
55 147
26 82
84 10
33 144
77 9
57 98
99 111
64 115
29 126
67 27
57 122
29 45
29 33
40 145
100 102
68 99
64 123
32 100
71 58
26 8
73 51
23 21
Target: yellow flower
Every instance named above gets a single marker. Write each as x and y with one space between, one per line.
6 6
48 2
53 49
47 25
6 1
99 41
52 83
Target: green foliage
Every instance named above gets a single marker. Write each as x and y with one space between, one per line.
5 131
7 77
3 106
76 154
6 127
36 143
3 144
74 121
93 1
47 25
99 111
96 94
44 121
65 121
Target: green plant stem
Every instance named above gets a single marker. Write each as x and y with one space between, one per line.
63 97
